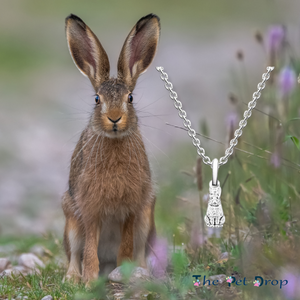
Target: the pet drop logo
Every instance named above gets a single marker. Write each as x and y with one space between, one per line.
231 280
256 283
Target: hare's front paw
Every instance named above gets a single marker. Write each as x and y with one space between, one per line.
138 273
72 276
90 266
89 277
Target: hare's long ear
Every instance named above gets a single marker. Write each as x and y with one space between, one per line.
139 49
86 51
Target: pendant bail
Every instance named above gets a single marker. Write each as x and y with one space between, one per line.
215 168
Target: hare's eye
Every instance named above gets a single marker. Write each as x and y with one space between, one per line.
97 99
130 98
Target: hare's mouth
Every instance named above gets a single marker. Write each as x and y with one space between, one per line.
113 131
116 133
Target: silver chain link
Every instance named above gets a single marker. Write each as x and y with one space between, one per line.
192 133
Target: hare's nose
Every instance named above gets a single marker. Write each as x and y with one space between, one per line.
114 121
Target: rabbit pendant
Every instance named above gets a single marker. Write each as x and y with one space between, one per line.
214 215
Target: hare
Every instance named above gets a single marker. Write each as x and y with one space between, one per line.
109 206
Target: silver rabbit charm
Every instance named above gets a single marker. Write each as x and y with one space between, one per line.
214 216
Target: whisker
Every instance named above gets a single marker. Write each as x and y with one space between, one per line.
140 142
154 145
97 157
83 148
152 127
131 136
152 115
136 102
90 154
76 134
141 79
101 148
105 164
153 102
91 104
129 150
138 137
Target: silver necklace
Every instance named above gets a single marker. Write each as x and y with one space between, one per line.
214 215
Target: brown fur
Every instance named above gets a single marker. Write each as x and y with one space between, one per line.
109 206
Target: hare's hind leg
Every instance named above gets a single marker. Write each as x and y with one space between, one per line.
109 245
73 242
126 245
135 232
152 232
144 233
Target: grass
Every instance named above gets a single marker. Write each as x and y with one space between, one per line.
36 286
49 282
177 285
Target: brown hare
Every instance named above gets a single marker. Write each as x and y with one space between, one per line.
109 206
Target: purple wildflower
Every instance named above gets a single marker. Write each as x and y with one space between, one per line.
232 120
158 258
275 159
292 289
205 198
276 35
287 81
197 238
